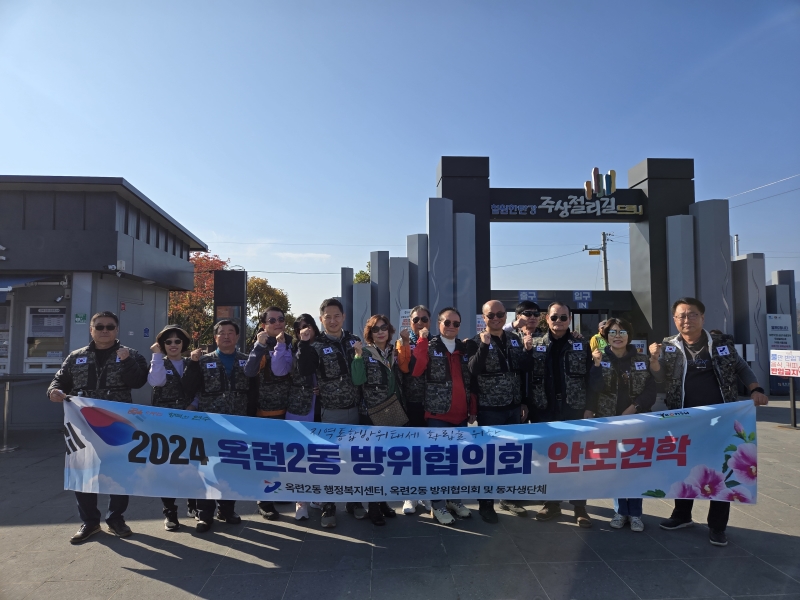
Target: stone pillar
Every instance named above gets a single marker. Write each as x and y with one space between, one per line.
347 297
778 302
712 251
750 310
398 290
680 258
417 252
669 187
440 256
464 262
81 304
786 277
379 280
362 307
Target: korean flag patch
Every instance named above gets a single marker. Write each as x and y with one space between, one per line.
640 366
541 348
607 365
669 348
515 343
80 361
352 342
327 350
242 363
211 365
577 346
723 351
117 359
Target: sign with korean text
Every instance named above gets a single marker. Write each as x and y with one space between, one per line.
531 295
405 318
784 362
573 205
704 453
779 332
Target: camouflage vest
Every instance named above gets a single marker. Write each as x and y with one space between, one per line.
336 389
575 371
413 387
376 389
171 394
108 385
222 394
723 361
273 391
637 379
301 392
439 379
499 383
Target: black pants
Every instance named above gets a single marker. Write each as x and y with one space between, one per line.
416 414
564 414
171 507
503 416
205 508
718 513
87 508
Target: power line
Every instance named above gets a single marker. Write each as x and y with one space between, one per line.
295 244
766 198
536 261
763 186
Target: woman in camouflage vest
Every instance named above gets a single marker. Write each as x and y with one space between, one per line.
620 384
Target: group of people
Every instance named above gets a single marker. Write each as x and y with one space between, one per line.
531 369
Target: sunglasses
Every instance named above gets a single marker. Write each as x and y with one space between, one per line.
104 327
379 328
449 323
562 318
419 320
530 313
172 342
273 320
499 315
615 333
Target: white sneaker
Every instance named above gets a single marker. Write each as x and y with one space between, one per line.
301 511
462 512
443 516
409 507
618 521
637 524
426 505
315 505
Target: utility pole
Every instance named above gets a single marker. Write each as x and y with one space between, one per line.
604 250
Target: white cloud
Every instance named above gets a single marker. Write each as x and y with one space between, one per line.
302 256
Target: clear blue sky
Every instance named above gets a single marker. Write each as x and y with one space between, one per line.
322 122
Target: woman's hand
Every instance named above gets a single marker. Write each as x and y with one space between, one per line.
597 356
358 348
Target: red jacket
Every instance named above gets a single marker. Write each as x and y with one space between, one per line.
459 411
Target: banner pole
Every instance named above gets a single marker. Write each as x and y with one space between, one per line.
6 447
792 402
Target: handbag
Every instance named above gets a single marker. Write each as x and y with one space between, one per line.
388 413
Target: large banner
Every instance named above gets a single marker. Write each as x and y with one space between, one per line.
114 448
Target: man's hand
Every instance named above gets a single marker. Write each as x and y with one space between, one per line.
472 418
520 323
527 341
759 399
262 337
523 413
155 348
191 407
577 335
281 337
631 410
424 332
358 348
305 334
597 356
196 354
655 352
486 337
405 335
57 396
588 414
123 354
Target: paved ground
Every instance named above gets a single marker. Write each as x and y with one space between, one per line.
409 558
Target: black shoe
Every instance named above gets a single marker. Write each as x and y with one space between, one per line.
548 512
513 507
202 526
229 518
717 537
268 511
171 522
673 523
487 512
387 511
328 515
375 515
84 533
356 509
119 528
582 517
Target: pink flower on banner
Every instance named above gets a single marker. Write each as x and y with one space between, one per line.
681 489
744 463
710 483
739 494
737 427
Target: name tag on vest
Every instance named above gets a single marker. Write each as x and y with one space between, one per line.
211 365
607 365
466 358
669 348
412 346
170 372
80 361
327 350
490 346
372 360
352 343
541 348
577 346
640 366
515 343
435 353
723 351
117 359
242 363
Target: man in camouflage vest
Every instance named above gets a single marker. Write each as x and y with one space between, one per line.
219 379
559 386
270 361
107 370
700 369
497 368
414 387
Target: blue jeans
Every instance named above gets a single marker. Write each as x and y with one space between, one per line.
436 504
628 507
87 508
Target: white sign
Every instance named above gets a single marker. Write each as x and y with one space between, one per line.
480 324
779 332
405 318
784 362
640 345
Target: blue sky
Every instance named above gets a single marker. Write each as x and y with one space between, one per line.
317 126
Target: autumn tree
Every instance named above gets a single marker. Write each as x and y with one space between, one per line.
362 276
194 311
260 296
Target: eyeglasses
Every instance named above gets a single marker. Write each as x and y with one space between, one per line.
379 328
419 320
617 333
104 327
561 318
530 313
687 316
497 315
449 323
273 320
172 342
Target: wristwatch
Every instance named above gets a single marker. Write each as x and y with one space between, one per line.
760 390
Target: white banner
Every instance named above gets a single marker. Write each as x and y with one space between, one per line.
115 448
